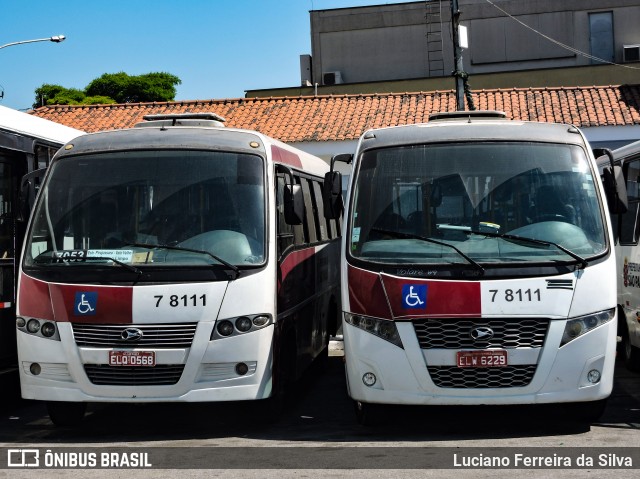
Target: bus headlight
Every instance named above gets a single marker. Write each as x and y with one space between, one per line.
225 328
578 326
33 326
243 324
48 329
240 325
38 327
383 328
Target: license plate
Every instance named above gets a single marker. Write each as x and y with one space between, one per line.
481 359
132 358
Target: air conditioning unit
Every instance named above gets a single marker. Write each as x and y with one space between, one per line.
331 78
630 53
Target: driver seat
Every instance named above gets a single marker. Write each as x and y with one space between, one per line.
550 207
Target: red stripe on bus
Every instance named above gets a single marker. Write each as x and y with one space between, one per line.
34 300
114 305
56 302
292 260
444 298
366 294
280 155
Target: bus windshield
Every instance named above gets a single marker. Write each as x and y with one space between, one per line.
483 202
151 208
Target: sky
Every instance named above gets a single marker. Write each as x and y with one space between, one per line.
218 48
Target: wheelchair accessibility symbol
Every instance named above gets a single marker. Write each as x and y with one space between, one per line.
85 304
414 296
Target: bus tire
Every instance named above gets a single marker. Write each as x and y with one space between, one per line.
367 414
630 353
66 414
284 378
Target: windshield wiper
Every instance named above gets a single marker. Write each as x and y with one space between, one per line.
399 234
232 267
524 239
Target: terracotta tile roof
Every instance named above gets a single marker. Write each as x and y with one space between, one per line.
346 117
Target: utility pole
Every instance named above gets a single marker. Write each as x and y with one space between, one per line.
457 55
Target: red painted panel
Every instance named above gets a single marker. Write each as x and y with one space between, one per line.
33 298
280 155
292 260
443 298
366 294
113 306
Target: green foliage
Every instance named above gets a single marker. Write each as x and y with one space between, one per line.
98 100
112 88
133 89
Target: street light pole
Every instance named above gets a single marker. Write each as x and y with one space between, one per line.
54 39
457 55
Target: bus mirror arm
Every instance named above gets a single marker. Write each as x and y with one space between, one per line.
341 157
614 183
29 186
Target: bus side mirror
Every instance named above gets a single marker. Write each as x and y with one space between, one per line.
332 195
615 186
332 188
29 187
293 204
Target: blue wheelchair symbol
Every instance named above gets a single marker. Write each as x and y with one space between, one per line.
414 296
85 304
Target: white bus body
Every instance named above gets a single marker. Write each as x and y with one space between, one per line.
181 261
478 267
626 228
27 143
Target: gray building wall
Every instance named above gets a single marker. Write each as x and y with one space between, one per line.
401 41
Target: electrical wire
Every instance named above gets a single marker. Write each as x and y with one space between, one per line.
563 45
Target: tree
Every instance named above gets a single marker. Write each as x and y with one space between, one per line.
132 89
112 88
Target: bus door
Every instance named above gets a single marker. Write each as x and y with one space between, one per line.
8 244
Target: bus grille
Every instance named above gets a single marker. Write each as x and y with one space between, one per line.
159 375
477 378
456 333
153 335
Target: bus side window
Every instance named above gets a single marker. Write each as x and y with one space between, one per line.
309 223
285 232
318 211
630 227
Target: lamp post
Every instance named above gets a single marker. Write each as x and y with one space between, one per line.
54 39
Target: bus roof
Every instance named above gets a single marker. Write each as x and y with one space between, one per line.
20 123
194 138
468 129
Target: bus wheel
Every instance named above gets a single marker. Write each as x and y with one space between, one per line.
283 381
630 352
66 414
366 414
